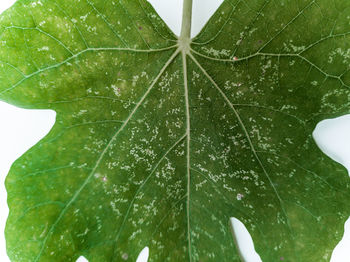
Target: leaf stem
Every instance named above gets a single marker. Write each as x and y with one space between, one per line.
186 20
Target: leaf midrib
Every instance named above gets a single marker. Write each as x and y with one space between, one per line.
188 158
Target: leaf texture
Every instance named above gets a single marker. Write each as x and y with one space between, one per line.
157 146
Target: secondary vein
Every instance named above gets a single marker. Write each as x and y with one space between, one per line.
245 131
87 180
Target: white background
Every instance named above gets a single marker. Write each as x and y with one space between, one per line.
20 129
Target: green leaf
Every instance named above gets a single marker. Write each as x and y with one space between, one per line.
159 141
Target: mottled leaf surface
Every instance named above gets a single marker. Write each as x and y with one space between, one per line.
157 146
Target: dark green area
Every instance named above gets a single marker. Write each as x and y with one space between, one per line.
141 157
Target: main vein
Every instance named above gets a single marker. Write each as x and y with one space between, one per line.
184 44
188 159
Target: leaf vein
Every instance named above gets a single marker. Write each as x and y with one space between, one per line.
87 180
